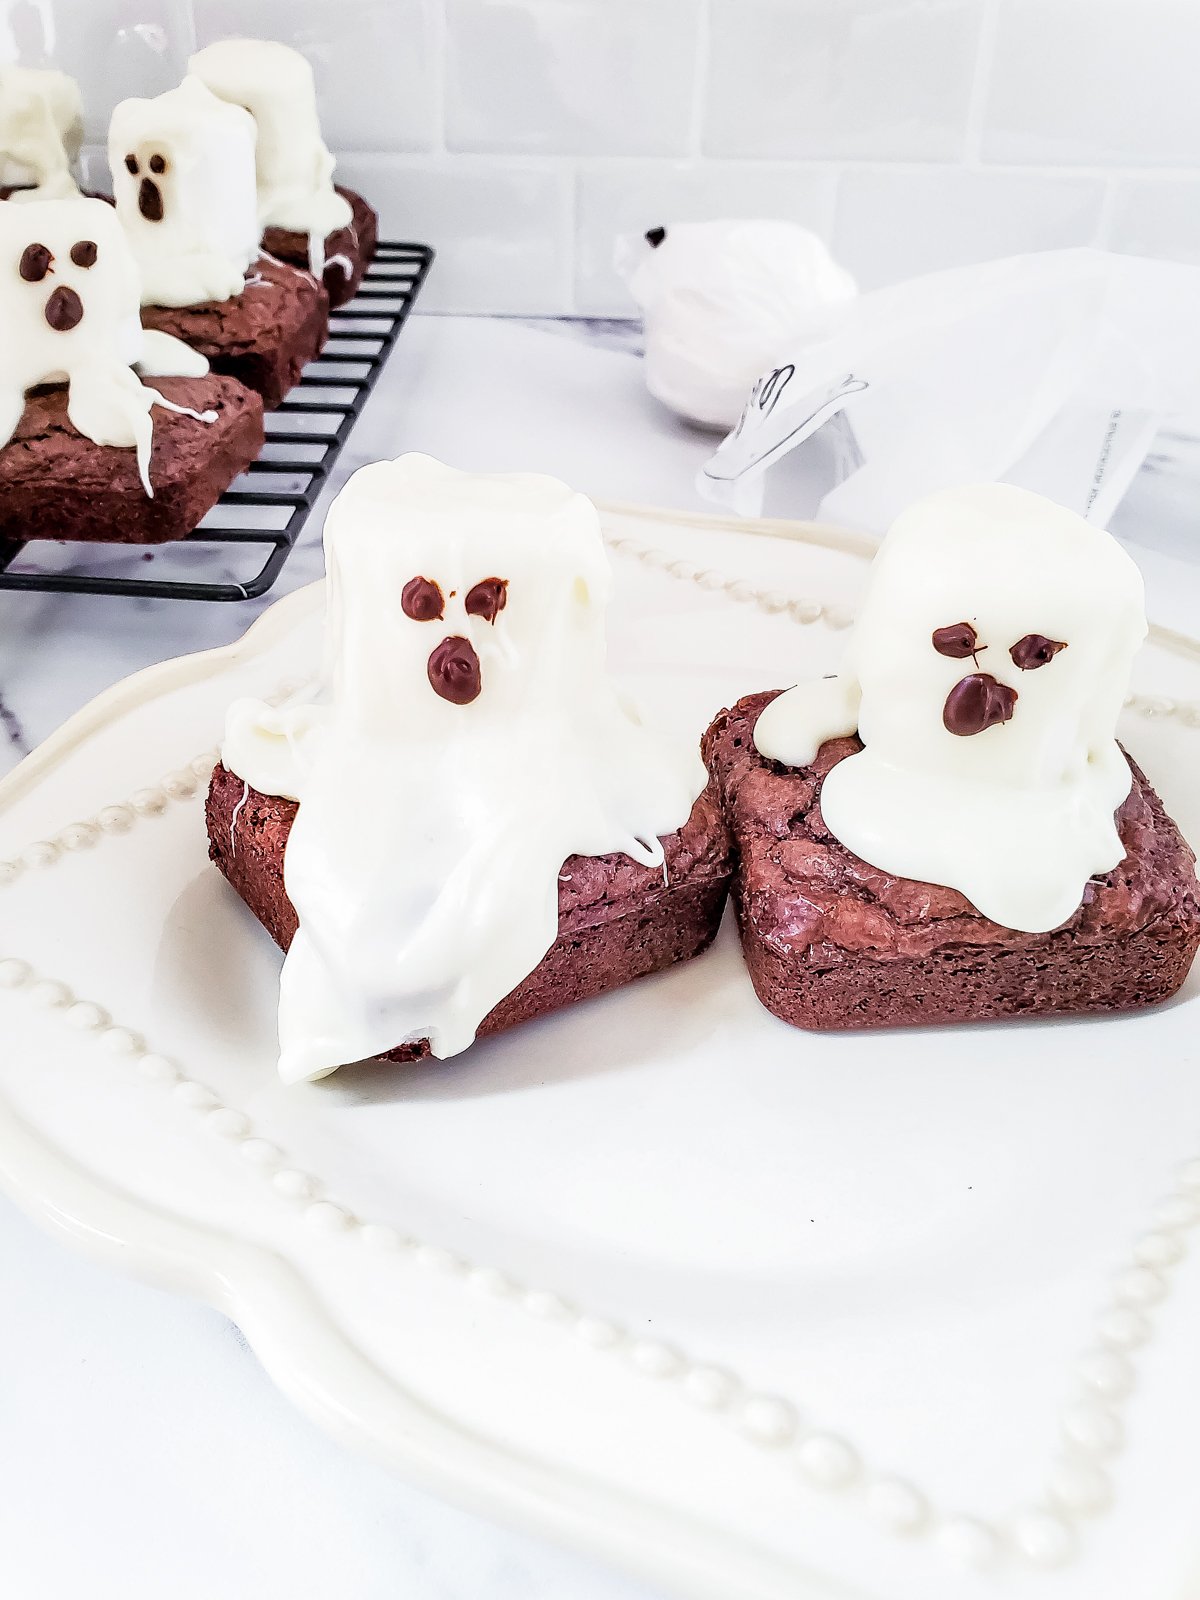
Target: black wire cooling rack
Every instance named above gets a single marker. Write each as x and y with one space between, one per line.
270 503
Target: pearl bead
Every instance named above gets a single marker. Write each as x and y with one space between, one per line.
490 1280
10 871
294 1185
149 802
14 974
378 1236
227 1123
549 1307
50 993
1079 1485
1158 1250
261 1153
1140 1286
203 765
768 1420
1178 1211
774 600
742 591
838 617
116 819
599 1332
655 1359
436 1258
686 571
1123 1328
896 1505
1108 1373
196 1096
1189 1175
804 610
711 580
158 1068
120 1042
1092 1427
180 785
1043 1539
42 853
968 1543
711 1388
79 836
827 1461
85 1017
325 1217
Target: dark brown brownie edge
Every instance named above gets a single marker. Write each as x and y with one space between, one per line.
832 943
263 337
55 484
355 242
617 921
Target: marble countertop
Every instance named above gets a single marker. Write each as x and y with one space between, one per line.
146 1453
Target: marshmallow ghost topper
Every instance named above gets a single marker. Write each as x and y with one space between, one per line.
295 170
722 301
183 180
69 313
41 130
985 675
464 741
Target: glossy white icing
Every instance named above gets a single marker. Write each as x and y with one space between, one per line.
424 861
996 779
69 313
721 302
41 129
295 170
183 179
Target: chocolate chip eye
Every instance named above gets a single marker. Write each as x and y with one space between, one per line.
35 263
1034 651
487 599
655 236
158 163
131 163
83 253
421 599
959 640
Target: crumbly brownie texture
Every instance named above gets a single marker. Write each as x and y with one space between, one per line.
833 943
55 484
355 243
616 921
264 336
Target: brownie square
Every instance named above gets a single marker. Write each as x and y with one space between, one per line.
263 337
55 484
616 919
348 252
834 943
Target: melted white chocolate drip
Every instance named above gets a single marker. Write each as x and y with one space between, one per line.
96 353
183 181
425 857
1018 815
41 130
295 170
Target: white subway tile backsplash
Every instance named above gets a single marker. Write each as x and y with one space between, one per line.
816 79
1157 217
570 77
1095 82
626 198
502 232
372 60
895 224
115 48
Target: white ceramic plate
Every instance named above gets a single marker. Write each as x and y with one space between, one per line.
750 1312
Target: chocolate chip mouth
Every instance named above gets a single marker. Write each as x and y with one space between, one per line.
977 702
64 309
150 200
454 671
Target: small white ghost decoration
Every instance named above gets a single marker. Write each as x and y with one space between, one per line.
721 302
70 313
295 170
183 180
465 740
985 674
41 130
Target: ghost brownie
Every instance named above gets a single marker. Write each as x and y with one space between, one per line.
948 830
346 255
477 825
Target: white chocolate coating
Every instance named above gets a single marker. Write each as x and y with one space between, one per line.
41 130
721 301
107 403
183 180
295 170
1017 815
424 861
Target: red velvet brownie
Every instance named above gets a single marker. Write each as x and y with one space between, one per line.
264 337
616 919
56 484
831 942
348 252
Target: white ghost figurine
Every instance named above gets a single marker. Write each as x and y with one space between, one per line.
70 313
41 130
721 301
183 180
295 170
464 741
985 674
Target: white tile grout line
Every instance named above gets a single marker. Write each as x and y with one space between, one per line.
700 64
981 84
